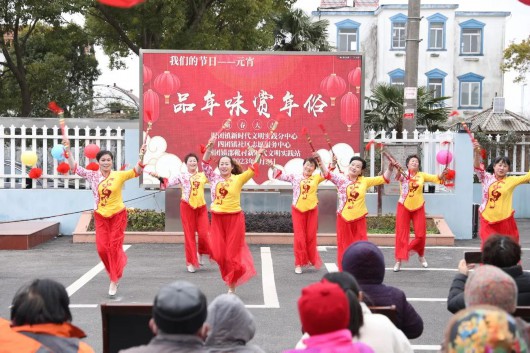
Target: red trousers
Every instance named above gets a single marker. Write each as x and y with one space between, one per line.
305 225
229 249
349 232
194 220
403 217
110 232
506 227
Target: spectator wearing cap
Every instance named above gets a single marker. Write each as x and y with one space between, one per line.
325 315
499 251
231 326
40 312
179 315
365 261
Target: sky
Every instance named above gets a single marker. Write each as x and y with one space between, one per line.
517 28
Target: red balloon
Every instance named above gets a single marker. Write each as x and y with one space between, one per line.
151 106
354 77
91 151
35 173
166 84
349 109
148 74
526 2
92 166
121 3
333 86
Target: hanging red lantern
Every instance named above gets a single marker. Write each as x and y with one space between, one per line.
354 77
349 109
148 74
121 3
151 106
35 173
166 84
333 86
526 2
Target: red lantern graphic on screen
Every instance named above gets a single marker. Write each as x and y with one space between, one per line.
333 86
148 74
349 109
151 106
166 84
354 77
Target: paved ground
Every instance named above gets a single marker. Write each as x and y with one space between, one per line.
271 296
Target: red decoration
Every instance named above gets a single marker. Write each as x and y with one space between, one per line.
454 113
148 74
354 77
450 174
35 173
349 109
151 106
63 168
55 108
166 84
121 3
91 151
526 2
92 166
333 86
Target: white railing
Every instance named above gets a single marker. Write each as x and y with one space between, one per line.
15 140
518 153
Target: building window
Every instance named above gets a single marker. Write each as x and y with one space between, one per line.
399 32
470 91
397 77
471 38
435 82
348 35
436 32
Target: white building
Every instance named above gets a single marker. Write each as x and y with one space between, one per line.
459 54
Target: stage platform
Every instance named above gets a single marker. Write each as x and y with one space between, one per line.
26 235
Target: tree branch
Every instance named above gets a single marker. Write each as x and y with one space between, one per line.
115 24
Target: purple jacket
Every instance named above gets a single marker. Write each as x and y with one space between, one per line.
366 263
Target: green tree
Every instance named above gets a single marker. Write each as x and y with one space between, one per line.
386 109
183 24
296 32
517 57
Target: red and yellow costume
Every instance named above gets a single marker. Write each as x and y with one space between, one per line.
110 217
411 207
194 214
496 212
352 211
305 217
227 230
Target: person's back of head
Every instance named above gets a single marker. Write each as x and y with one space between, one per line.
501 251
179 308
350 287
483 328
323 308
491 286
41 301
229 321
364 261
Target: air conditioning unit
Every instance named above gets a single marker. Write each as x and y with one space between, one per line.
499 105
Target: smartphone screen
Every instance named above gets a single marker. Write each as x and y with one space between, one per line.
473 257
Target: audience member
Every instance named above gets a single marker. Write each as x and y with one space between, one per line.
179 315
366 263
14 342
483 329
40 311
500 251
231 326
325 317
374 330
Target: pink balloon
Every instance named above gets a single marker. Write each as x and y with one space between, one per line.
444 157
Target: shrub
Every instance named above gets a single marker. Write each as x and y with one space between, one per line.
268 222
141 221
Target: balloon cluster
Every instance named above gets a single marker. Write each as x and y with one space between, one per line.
91 152
59 153
30 158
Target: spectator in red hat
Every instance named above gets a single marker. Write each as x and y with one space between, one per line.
325 316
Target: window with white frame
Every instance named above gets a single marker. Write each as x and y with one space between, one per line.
399 32
436 36
435 82
471 37
397 77
348 35
470 91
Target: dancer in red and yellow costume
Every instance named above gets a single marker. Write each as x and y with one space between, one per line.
110 214
227 230
304 212
411 206
496 212
193 211
352 211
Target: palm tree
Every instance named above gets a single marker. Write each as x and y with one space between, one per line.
386 109
296 32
